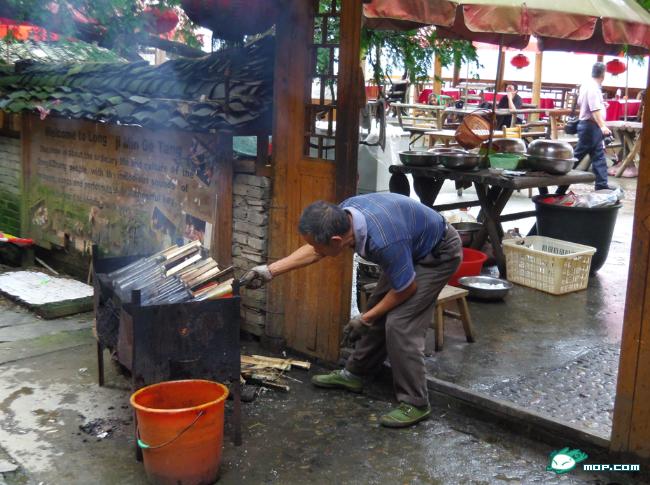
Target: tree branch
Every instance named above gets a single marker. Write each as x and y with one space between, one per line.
174 47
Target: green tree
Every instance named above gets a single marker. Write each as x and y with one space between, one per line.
413 51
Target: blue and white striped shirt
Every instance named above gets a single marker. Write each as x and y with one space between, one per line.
394 232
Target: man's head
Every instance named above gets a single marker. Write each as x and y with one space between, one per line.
326 227
598 72
511 88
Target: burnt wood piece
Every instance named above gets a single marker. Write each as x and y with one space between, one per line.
493 191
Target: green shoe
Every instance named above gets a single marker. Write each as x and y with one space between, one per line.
336 380
404 415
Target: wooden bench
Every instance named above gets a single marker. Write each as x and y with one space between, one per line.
447 296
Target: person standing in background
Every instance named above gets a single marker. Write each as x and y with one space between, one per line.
592 128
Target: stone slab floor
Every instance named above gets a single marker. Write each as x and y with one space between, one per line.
557 355
51 411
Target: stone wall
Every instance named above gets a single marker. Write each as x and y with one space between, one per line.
10 184
251 199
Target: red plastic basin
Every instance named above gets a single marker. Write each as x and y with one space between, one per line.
471 265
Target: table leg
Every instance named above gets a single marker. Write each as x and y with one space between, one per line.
427 189
492 208
399 184
630 157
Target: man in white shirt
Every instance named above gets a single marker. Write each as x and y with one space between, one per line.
592 128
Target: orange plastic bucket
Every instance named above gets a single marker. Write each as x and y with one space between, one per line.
180 430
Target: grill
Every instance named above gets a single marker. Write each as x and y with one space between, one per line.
190 340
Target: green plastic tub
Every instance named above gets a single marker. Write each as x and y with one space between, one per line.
506 161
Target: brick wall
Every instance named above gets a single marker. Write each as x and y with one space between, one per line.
10 184
251 199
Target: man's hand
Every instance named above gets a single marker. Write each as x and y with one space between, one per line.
256 277
606 131
356 328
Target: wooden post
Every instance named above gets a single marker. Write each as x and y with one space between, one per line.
456 78
437 76
349 103
501 69
537 84
222 230
631 424
292 29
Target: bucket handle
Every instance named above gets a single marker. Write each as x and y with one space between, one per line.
145 446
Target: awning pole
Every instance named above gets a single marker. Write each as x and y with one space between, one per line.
627 84
497 82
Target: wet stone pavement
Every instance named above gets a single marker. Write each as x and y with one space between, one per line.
59 427
556 355
580 393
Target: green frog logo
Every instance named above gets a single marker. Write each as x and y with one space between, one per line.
565 460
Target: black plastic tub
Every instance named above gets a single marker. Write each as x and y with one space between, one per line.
582 225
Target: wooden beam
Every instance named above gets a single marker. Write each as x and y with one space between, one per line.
537 84
292 29
631 424
222 222
347 146
348 103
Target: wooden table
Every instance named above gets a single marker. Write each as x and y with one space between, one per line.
494 191
629 134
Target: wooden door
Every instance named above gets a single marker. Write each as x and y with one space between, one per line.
313 159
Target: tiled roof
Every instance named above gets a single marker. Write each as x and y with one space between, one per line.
227 90
54 52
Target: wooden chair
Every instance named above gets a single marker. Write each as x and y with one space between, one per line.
512 131
447 296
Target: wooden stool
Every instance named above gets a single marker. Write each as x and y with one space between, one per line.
448 295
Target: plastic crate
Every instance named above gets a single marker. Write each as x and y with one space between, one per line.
551 265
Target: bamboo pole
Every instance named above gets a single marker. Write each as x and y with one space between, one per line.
537 84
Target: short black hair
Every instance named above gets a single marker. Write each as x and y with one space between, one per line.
323 220
598 70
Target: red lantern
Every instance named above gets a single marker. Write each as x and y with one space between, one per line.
160 21
520 61
615 67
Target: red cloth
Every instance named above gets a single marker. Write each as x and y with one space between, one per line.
452 93
424 96
616 109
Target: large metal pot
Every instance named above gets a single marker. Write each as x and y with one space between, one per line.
418 158
459 161
507 145
550 149
550 165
